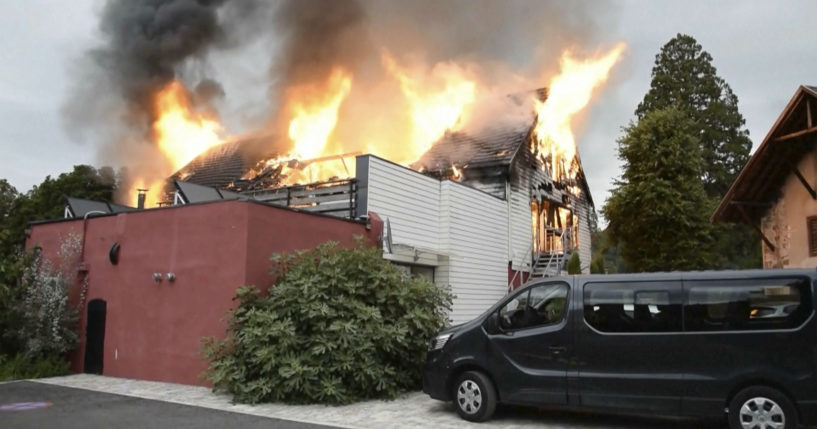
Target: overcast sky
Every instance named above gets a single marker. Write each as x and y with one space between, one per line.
763 49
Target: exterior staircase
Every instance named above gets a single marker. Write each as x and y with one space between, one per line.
541 265
549 265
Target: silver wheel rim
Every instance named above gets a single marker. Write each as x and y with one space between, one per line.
762 413
469 397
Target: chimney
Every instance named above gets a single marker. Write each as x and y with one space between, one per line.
140 199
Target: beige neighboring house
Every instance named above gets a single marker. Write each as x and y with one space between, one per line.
776 190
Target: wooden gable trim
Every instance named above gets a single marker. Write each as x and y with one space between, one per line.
796 134
805 183
756 227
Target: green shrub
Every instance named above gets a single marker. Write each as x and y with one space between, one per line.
339 325
48 321
597 265
574 264
20 367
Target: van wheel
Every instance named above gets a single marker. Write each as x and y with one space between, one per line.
474 396
761 407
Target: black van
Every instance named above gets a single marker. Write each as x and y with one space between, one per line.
697 344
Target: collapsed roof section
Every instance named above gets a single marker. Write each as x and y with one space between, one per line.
484 160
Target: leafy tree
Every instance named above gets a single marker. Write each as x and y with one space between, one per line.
684 77
47 200
338 325
658 210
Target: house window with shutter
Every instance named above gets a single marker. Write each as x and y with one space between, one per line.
811 224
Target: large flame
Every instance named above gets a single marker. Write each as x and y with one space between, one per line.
427 102
433 111
314 110
315 113
569 92
181 133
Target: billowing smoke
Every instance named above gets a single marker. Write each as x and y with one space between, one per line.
145 44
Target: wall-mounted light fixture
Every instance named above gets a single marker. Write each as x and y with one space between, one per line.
157 277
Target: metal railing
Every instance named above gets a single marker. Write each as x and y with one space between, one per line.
336 198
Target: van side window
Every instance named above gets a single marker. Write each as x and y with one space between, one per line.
746 304
538 306
633 307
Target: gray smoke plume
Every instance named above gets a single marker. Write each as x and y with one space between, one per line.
144 44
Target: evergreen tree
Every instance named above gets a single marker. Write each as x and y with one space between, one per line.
684 77
658 210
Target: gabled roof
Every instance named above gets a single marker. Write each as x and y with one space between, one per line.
758 184
79 207
193 193
493 147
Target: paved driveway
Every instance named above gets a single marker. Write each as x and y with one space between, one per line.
414 410
32 405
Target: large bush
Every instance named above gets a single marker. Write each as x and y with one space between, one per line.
49 323
339 325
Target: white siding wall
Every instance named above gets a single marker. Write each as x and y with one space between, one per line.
521 235
409 199
478 245
468 227
583 209
475 233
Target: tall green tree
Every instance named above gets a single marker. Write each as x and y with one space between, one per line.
684 77
658 209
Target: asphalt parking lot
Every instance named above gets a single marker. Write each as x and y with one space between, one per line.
33 405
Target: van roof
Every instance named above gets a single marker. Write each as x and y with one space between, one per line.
691 275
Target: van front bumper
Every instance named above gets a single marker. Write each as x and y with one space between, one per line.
435 376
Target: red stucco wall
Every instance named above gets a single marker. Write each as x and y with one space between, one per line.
153 330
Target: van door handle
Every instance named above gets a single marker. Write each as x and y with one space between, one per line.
557 350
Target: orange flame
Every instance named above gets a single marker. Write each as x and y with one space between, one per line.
432 112
568 93
314 116
315 113
180 133
456 173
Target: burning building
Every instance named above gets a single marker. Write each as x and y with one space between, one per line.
479 212
371 125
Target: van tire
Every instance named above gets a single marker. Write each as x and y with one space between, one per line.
770 404
474 396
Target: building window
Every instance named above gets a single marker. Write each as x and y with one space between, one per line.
420 271
811 226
